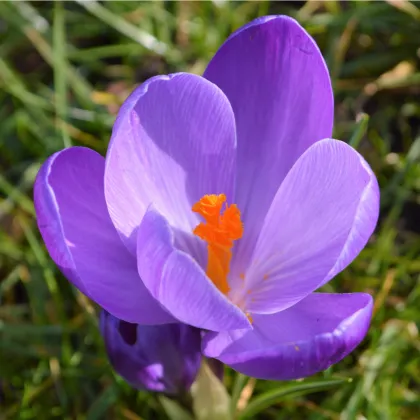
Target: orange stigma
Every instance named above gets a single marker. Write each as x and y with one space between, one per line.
219 231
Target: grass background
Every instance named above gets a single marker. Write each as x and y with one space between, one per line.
65 68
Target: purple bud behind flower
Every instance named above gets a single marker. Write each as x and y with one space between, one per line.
163 358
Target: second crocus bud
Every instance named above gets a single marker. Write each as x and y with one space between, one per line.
162 358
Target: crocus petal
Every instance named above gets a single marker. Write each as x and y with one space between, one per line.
329 193
163 358
365 222
300 341
172 143
178 282
81 239
274 76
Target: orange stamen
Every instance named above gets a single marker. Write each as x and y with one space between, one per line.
219 231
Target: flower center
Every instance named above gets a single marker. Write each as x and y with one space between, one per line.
220 229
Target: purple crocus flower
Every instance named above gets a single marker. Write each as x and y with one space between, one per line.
164 358
223 203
